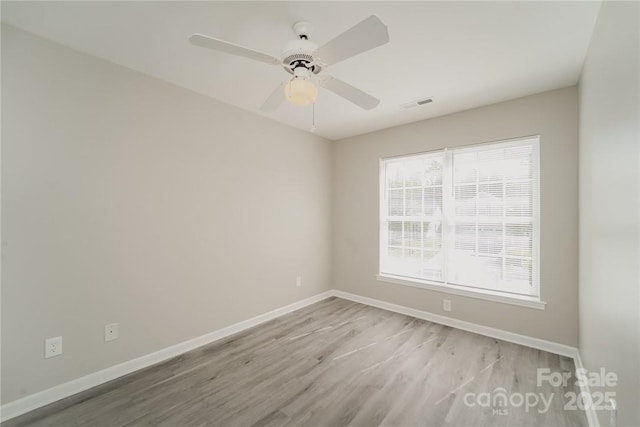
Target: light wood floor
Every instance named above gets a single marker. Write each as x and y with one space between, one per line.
334 363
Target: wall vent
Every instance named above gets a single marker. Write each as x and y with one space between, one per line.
416 103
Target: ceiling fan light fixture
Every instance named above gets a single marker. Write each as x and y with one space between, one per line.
300 92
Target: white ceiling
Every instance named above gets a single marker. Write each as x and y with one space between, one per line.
463 54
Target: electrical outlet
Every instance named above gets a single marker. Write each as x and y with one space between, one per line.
299 281
111 332
52 347
446 305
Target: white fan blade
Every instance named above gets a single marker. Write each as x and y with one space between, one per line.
350 93
360 38
233 49
274 100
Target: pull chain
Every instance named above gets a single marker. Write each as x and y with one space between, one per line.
313 117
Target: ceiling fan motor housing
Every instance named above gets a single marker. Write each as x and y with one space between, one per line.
299 53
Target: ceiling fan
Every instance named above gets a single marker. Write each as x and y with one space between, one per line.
306 61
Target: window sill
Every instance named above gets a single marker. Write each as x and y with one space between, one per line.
522 301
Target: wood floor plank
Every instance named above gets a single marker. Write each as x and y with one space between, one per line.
334 363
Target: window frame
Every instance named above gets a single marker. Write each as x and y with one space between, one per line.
530 301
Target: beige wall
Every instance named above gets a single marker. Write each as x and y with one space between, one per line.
553 115
126 199
609 205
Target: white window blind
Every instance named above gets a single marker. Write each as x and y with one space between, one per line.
466 217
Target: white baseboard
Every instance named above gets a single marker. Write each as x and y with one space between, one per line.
592 416
45 397
550 346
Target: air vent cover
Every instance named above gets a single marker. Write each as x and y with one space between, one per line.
417 102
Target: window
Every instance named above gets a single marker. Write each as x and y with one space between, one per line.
464 218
